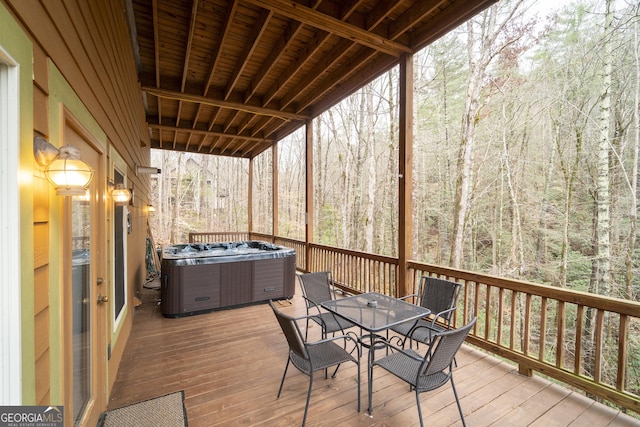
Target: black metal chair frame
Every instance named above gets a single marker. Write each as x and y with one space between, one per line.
315 293
441 297
309 357
424 373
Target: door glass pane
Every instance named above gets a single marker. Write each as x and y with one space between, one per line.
118 247
81 279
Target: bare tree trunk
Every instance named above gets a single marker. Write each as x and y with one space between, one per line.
320 166
371 176
390 239
603 245
516 255
462 204
633 229
482 49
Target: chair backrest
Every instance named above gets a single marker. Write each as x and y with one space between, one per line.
444 348
316 287
291 332
439 295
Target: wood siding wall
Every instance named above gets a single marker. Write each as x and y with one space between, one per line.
88 41
41 213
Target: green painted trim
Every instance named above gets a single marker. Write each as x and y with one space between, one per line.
18 45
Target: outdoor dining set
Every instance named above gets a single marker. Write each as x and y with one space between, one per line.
388 326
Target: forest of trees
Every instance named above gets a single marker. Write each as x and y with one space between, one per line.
525 156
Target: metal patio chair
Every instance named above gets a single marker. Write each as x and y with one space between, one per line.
309 357
438 295
317 288
428 372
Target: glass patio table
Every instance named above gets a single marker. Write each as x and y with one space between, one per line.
374 312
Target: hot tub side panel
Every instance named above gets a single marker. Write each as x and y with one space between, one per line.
197 288
273 279
189 289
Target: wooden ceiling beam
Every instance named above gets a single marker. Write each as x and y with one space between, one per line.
332 25
311 49
241 63
375 18
276 53
290 33
156 40
187 53
168 94
187 130
226 27
448 19
418 11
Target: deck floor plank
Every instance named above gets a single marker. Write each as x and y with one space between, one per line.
229 364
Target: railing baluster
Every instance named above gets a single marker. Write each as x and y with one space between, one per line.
543 329
560 332
500 314
598 335
487 309
527 323
512 331
622 352
577 369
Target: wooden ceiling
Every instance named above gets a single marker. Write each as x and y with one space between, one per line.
231 77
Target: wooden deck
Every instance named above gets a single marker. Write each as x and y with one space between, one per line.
229 364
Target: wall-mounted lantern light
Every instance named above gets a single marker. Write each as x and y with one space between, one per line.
119 194
64 169
151 208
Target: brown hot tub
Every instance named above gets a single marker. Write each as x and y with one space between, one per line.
198 278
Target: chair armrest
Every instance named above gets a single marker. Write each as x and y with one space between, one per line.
306 316
311 304
442 313
408 353
347 337
406 297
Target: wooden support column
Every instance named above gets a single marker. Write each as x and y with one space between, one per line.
405 175
250 198
308 227
274 189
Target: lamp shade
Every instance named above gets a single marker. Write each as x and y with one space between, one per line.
120 195
68 174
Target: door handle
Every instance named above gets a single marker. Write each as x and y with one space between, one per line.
102 299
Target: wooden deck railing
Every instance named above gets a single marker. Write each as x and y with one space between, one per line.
587 341
570 336
214 237
355 271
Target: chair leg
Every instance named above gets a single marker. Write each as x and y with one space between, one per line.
283 375
455 393
306 407
419 410
335 372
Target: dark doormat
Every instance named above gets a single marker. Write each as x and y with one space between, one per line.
163 411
